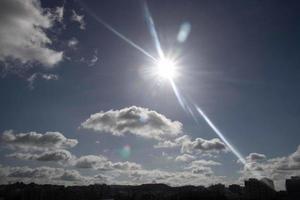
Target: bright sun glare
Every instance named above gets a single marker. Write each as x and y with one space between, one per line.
166 68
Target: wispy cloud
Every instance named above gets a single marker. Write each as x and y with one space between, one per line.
79 19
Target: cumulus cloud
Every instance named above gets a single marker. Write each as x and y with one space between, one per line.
59 155
23 32
37 141
175 178
79 19
94 59
207 171
102 163
214 144
202 167
185 158
59 13
255 157
205 163
35 76
167 156
188 145
90 60
134 120
166 144
278 168
92 161
124 172
126 166
70 175
45 175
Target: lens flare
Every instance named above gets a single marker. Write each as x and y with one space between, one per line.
114 31
166 68
125 152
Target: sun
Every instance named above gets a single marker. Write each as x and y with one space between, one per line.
166 68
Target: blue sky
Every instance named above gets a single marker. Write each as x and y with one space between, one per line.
81 105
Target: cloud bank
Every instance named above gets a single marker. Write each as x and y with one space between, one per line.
37 141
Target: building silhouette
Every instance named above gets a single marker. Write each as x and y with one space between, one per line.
292 186
259 189
253 190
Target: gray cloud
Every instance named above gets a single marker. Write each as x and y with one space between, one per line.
135 120
37 141
23 32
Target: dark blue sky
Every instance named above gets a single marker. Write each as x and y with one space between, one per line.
240 64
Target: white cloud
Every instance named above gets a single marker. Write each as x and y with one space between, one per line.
188 145
79 19
23 32
207 171
255 157
102 163
59 13
31 80
71 175
90 60
37 141
175 178
166 144
277 169
134 120
185 158
94 59
167 156
45 175
205 163
92 161
59 155
203 145
126 166
73 42
202 167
